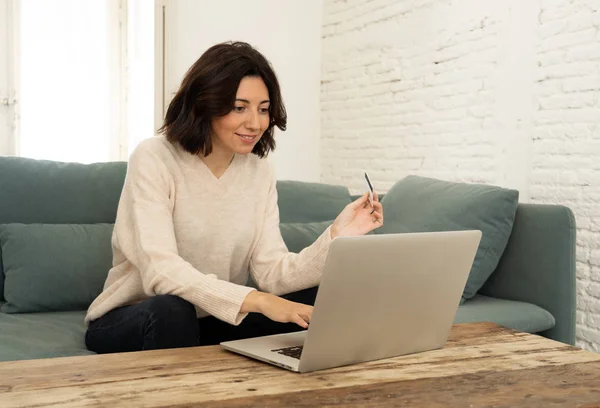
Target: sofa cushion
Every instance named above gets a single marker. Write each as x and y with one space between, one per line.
300 201
52 267
299 235
42 335
420 204
520 316
51 192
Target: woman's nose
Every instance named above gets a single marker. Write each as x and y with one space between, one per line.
252 121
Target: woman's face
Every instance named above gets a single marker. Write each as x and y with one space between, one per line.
242 128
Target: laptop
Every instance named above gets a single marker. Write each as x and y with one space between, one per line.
380 296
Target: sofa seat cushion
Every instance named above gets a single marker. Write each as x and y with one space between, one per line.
520 316
59 334
42 335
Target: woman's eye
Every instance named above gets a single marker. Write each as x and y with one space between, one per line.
238 108
264 110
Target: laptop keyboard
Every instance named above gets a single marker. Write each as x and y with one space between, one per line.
293 352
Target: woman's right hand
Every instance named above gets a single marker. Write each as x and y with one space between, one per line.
277 308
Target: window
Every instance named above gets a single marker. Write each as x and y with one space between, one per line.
85 78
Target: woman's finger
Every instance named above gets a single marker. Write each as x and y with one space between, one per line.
377 217
360 202
377 207
306 315
375 196
299 321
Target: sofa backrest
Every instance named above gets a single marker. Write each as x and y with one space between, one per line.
301 202
50 192
42 191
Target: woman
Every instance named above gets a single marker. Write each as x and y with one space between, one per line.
198 213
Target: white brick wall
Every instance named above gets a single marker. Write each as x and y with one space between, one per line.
566 138
504 92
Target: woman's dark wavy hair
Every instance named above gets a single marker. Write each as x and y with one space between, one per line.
209 89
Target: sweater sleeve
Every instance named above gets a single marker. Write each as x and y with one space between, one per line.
273 267
145 234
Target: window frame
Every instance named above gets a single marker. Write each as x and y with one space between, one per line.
9 101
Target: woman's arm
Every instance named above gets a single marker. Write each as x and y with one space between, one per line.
278 271
273 267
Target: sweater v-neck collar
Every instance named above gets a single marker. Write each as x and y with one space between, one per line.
219 185
229 173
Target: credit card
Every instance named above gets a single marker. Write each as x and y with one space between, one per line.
369 188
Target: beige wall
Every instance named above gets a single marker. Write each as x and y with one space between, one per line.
289 35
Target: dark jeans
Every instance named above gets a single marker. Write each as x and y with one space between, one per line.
167 321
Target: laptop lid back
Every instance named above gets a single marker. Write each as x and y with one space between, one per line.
387 295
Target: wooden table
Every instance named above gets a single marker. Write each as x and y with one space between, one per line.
482 365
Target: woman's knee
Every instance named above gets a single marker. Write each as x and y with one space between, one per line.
171 323
172 308
162 321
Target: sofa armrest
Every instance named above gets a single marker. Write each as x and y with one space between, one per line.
538 266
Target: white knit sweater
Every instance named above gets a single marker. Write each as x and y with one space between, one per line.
182 231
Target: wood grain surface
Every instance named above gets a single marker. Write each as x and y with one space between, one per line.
482 365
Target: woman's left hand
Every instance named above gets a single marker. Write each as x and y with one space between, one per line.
358 218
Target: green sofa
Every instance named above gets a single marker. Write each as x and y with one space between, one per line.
532 288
